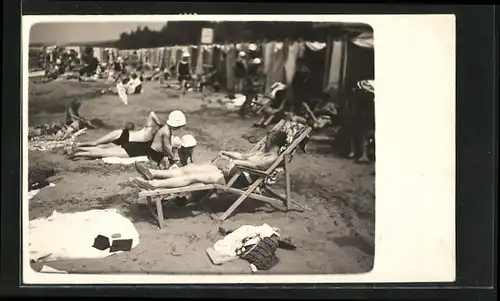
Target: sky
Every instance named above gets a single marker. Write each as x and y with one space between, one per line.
61 33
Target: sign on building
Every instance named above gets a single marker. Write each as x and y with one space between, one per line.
207 35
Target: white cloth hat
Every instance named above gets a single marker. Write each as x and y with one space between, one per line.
176 119
252 47
176 141
186 54
242 53
119 59
256 61
188 141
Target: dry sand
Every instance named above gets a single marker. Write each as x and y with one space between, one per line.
336 237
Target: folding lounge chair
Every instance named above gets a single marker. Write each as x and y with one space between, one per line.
249 192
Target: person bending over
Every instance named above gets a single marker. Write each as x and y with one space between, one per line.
160 150
214 173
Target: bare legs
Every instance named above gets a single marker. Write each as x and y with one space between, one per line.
142 135
365 140
187 170
108 138
179 177
97 152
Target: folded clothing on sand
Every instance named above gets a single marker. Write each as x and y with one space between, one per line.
233 244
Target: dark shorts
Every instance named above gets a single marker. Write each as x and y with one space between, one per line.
154 155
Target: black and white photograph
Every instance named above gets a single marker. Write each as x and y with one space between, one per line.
206 147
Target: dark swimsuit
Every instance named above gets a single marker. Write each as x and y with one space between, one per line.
133 149
154 155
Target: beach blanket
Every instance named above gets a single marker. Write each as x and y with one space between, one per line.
49 142
79 235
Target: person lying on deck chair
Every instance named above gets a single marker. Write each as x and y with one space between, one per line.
149 141
275 106
214 173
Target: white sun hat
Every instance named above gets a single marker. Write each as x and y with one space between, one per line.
242 53
252 47
188 141
176 119
119 59
256 61
186 54
176 141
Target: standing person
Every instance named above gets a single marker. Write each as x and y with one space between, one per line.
300 86
240 70
250 85
184 71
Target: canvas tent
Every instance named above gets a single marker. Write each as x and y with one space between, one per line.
350 54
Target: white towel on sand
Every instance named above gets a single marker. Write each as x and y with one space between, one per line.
71 235
124 161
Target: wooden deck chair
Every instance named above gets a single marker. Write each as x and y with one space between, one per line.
250 192
172 192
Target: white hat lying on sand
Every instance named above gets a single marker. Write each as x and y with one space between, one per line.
188 141
176 119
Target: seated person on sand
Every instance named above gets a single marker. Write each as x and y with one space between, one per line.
73 116
211 173
132 85
149 141
74 122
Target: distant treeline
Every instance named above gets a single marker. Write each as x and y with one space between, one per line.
189 33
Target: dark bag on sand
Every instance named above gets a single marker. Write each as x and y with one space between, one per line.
37 177
263 254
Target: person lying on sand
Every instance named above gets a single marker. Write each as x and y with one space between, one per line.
149 141
210 173
128 133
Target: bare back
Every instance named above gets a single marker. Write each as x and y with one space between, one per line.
148 132
162 139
